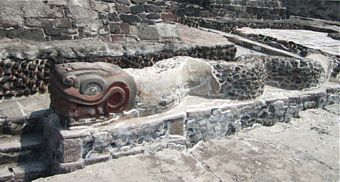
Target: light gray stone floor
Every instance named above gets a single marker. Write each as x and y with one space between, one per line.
306 149
24 106
311 39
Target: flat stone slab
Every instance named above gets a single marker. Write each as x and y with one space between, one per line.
311 39
10 144
244 43
24 106
255 154
196 36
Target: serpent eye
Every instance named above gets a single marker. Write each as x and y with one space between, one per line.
68 81
93 89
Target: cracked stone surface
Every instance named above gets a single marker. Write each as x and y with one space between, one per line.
306 149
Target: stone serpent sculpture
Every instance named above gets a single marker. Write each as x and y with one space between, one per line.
80 90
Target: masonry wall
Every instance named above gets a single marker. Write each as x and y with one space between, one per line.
113 20
323 9
108 20
250 9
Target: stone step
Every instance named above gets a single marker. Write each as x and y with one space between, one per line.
22 115
23 172
18 149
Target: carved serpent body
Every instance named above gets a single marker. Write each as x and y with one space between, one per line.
81 90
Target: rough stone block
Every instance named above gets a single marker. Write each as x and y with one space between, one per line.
3 33
32 22
82 15
176 126
115 28
97 6
52 31
117 38
138 1
160 2
103 15
152 8
72 150
137 9
6 175
124 28
97 159
62 23
38 9
168 17
31 34
147 32
72 166
10 14
101 141
113 17
125 2
153 16
103 31
130 19
62 37
167 32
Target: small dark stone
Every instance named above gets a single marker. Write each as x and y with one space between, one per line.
31 34
47 23
131 19
153 16
52 31
103 16
3 33
62 37
113 17
138 1
125 2
137 9
115 28
159 2
152 8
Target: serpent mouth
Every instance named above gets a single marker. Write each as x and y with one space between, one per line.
117 100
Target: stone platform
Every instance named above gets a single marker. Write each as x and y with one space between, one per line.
304 149
195 119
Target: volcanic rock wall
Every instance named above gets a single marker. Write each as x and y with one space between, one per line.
258 9
323 9
112 20
108 20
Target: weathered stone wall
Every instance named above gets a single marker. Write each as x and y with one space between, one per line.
21 76
107 20
112 20
323 9
77 148
259 9
241 80
229 25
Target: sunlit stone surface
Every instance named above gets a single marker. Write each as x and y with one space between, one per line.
85 82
